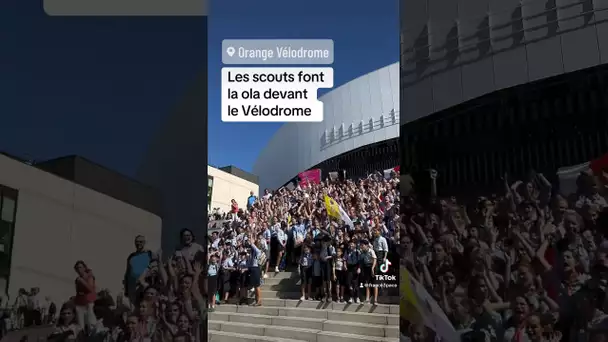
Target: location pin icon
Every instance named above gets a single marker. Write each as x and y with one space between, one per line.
230 51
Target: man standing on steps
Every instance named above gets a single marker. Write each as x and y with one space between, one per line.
251 200
381 250
254 269
137 263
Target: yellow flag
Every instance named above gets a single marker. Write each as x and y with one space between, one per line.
408 305
332 207
419 307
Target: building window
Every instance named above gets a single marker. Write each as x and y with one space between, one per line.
8 211
209 191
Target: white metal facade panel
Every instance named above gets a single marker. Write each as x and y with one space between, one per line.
296 147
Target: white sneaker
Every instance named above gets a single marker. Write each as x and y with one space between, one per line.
350 301
357 300
302 299
265 276
276 270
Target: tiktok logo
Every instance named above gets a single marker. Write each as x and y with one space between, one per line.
385 265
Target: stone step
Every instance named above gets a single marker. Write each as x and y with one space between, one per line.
223 336
280 294
282 321
342 337
310 335
336 306
282 275
33 334
340 316
321 324
278 281
287 287
284 287
293 292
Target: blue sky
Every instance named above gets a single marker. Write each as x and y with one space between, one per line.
95 87
102 87
365 34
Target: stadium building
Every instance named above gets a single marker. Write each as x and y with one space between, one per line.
359 133
492 86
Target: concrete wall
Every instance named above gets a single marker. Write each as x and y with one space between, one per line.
59 222
358 113
454 51
227 187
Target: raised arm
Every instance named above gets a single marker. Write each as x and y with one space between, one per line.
540 256
161 269
142 278
172 274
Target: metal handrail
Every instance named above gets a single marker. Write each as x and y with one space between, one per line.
488 14
463 48
501 26
356 129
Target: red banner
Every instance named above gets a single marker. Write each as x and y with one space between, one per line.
598 165
310 176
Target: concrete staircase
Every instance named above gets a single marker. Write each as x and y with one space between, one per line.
284 318
33 334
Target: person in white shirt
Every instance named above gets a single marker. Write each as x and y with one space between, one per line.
189 248
278 241
264 260
34 307
20 307
381 251
299 235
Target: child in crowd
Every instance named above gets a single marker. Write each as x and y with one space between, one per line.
306 262
352 274
317 277
340 274
227 275
326 256
242 267
212 280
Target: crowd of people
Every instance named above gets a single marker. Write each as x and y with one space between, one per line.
297 230
162 300
166 297
28 309
527 264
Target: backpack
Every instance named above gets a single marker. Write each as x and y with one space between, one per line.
367 258
262 258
